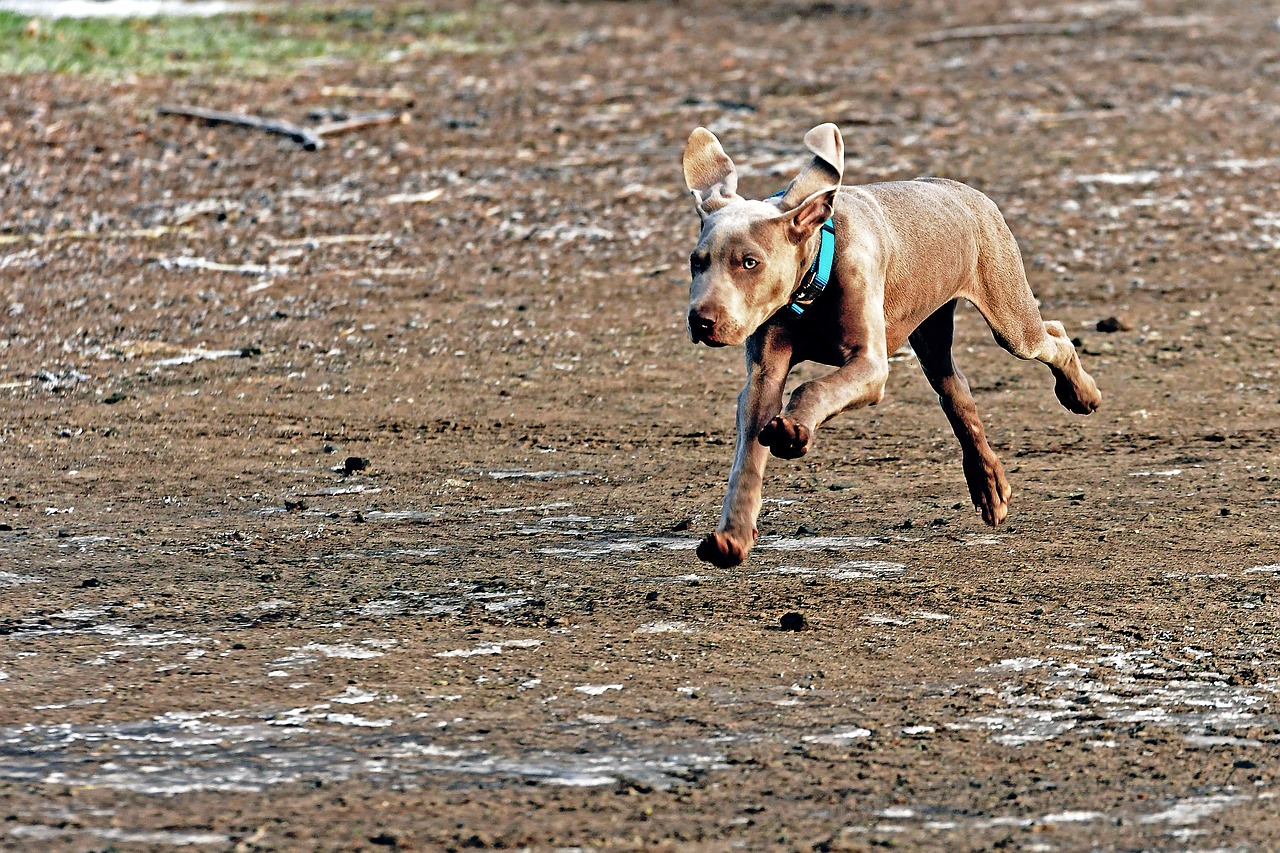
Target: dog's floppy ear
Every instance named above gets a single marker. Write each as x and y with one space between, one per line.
810 199
708 172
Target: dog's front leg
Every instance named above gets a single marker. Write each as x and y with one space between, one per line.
860 382
758 404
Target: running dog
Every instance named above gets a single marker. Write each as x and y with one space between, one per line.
843 276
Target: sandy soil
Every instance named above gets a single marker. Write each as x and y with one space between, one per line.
214 635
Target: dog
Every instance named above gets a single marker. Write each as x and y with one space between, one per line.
843 276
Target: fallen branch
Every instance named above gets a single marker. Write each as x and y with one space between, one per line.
301 135
333 128
310 138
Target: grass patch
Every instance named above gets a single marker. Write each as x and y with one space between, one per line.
268 42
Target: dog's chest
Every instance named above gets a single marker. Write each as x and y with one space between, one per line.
822 335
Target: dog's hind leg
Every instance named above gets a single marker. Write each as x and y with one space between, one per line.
982 469
1006 301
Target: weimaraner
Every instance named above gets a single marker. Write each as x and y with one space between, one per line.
898 256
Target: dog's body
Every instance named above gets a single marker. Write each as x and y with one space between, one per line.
906 251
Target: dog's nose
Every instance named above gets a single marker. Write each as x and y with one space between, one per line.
700 324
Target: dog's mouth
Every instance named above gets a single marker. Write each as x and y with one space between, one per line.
699 338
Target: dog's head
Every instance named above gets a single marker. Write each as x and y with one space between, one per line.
751 254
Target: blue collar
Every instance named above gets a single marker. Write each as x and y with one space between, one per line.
815 280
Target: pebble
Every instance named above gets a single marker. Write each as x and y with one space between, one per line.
791 621
1114 324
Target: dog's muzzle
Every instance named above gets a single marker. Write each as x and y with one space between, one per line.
702 329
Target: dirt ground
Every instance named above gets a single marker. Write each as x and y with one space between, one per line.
218 632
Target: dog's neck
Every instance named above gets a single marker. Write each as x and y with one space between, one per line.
818 274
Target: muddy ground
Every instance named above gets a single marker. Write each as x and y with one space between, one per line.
213 635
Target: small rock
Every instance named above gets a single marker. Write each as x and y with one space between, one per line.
294 506
805 530
791 621
1114 324
90 583
683 524
384 839
352 464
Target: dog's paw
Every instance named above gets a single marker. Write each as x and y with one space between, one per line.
721 549
988 488
1080 396
786 438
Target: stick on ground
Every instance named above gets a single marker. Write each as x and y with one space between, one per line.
333 128
304 137
310 138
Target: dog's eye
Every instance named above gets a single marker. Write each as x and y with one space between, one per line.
750 263
698 263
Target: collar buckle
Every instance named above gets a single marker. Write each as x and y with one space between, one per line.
819 274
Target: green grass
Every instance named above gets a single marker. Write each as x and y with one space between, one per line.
261 43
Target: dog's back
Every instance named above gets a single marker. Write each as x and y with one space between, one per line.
936 239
